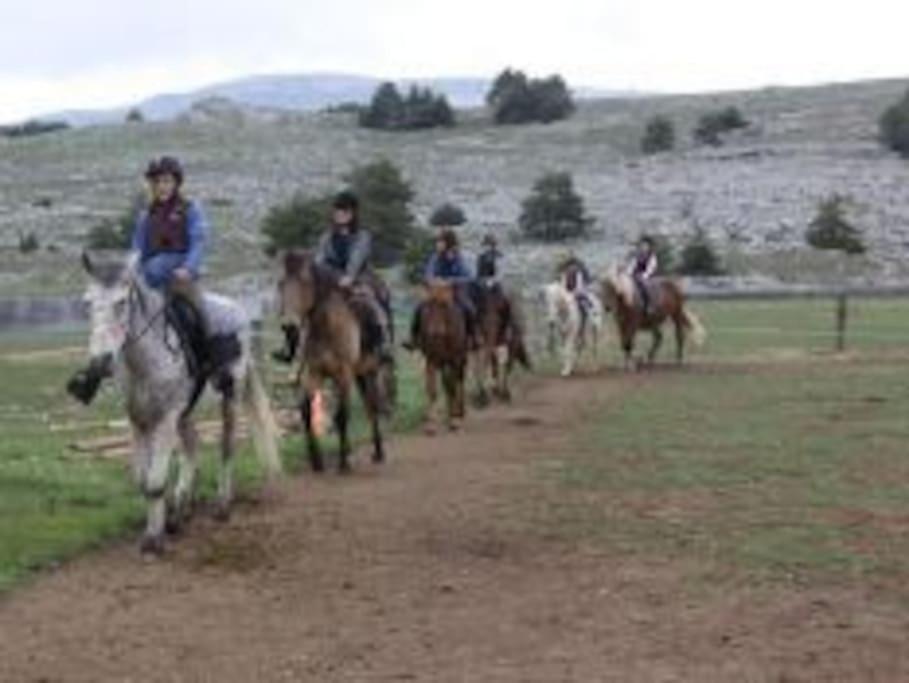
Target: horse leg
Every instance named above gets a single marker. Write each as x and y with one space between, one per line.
369 392
154 473
454 379
655 347
479 362
551 338
679 339
506 362
431 379
342 420
569 353
313 451
628 348
226 468
181 509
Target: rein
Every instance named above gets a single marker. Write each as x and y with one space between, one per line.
135 295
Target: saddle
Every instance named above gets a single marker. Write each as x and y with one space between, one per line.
653 291
206 354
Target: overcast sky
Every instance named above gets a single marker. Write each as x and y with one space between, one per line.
100 53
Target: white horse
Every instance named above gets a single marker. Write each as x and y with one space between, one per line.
132 334
564 320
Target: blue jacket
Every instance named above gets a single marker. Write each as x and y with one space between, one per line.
444 268
158 267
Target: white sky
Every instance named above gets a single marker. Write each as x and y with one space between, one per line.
100 53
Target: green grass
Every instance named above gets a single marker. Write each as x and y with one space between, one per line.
55 503
795 471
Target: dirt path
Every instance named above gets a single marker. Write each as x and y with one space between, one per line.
433 568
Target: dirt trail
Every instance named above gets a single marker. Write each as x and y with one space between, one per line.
432 568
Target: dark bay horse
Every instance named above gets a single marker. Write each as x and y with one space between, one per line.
501 341
340 345
620 296
444 344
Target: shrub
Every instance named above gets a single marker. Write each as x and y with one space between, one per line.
135 115
421 109
894 127
28 243
831 229
699 256
419 248
115 232
554 211
516 99
297 223
448 215
30 128
712 125
659 135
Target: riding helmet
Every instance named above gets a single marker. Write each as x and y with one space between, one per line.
166 165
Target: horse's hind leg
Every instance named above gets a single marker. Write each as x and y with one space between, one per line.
431 379
226 469
180 510
481 363
342 420
679 340
655 347
369 391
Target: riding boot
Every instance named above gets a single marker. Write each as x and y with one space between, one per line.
288 352
216 352
84 384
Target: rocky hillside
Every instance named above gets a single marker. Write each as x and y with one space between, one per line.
754 195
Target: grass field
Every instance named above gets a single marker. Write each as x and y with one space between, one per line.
761 455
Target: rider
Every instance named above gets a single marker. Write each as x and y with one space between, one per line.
170 235
642 268
447 264
346 248
575 277
488 260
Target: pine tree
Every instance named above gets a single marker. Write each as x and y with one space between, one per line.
831 229
554 211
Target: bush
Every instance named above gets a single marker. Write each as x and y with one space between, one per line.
659 135
421 109
515 99
115 232
30 128
894 127
419 248
385 208
297 223
448 215
699 256
28 243
712 125
135 115
554 211
830 228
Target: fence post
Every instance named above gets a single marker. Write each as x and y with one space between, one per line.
842 313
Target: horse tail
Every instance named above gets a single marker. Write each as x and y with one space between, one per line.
693 324
265 432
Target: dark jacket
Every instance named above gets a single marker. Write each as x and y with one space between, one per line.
170 240
488 264
345 253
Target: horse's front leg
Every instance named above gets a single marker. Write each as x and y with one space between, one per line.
342 420
153 452
569 353
481 364
180 509
369 392
679 341
628 348
226 467
431 381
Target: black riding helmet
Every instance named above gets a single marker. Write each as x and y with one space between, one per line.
347 201
165 166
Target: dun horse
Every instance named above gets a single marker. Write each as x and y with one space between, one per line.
443 341
619 293
133 334
564 320
501 342
341 344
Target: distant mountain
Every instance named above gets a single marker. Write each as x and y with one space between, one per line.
306 92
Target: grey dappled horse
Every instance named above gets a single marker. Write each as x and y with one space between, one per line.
132 333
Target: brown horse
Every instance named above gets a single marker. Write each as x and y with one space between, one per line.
443 342
340 345
620 297
501 342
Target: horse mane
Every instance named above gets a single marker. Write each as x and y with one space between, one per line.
622 285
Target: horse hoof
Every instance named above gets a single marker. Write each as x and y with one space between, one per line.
317 466
454 426
152 546
345 468
429 429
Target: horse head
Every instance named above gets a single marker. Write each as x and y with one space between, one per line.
114 280
618 289
303 284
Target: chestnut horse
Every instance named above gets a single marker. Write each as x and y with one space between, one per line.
444 344
501 341
340 345
620 297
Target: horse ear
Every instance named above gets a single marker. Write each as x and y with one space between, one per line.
293 262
